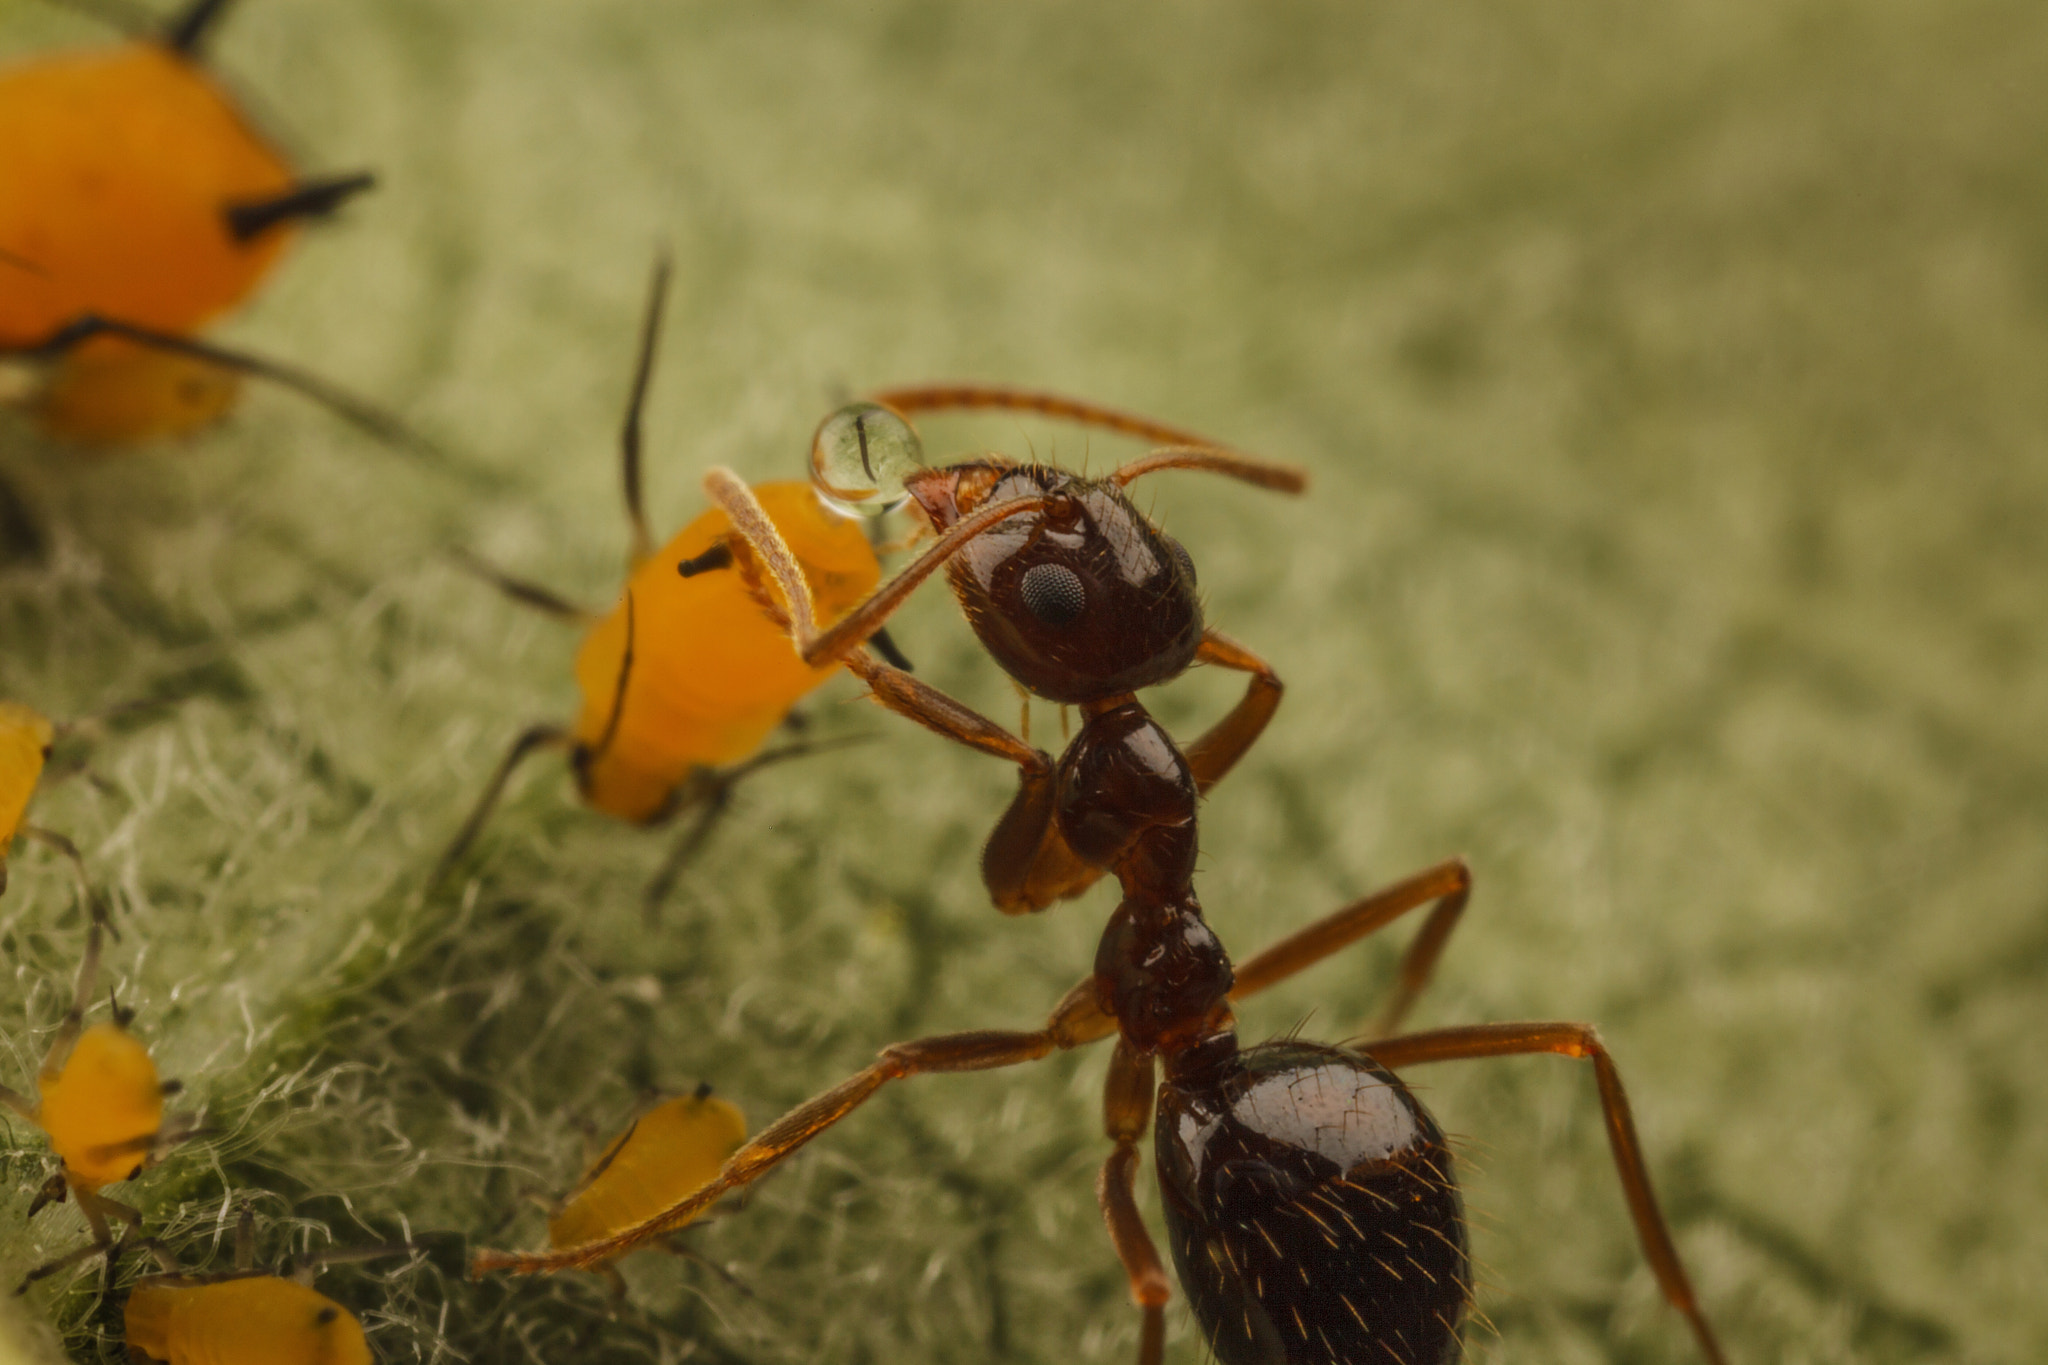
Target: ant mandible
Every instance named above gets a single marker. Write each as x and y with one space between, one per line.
1309 1199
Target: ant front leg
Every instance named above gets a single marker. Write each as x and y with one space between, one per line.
1582 1041
1448 884
1216 752
1026 863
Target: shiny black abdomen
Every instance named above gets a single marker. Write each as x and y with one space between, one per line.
1311 1212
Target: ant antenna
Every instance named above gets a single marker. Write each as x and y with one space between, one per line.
629 435
1282 478
731 494
936 397
184 34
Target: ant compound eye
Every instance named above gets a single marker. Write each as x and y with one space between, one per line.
861 457
1187 561
1053 593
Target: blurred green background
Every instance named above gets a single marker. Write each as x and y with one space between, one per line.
1673 380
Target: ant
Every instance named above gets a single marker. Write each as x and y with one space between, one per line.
674 719
139 205
245 1317
101 1104
1309 1200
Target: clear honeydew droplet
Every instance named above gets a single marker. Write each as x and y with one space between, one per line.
861 458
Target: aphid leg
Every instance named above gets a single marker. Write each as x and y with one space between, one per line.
1216 751
674 1245
18 1102
74 1018
1448 885
751 522
535 738
245 1239
1581 1041
629 431
939 397
356 411
61 1263
525 592
97 1208
1076 1020
1126 1110
708 792
87 897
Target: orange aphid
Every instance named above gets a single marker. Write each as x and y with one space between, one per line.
686 676
139 204
669 1151
103 1109
254 1320
25 740
101 1104
712 673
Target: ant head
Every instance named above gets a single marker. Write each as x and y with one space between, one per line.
1079 600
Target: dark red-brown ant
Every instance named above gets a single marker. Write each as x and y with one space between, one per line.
1308 1195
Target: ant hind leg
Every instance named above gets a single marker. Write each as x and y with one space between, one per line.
1582 1041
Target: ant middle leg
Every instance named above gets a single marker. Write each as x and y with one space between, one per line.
1448 885
1582 1041
1075 1020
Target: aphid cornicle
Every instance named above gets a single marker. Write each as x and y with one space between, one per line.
139 205
686 677
101 1104
1310 1202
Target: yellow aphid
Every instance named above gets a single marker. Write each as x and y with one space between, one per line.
254 1320
25 739
672 1149
115 391
712 673
104 1108
686 676
101 1103
139 205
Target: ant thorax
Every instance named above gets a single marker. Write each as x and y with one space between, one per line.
1080 600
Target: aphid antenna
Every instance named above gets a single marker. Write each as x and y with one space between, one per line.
636 402
186 33
356 411
524 591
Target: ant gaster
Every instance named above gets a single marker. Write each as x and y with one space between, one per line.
1308 1195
